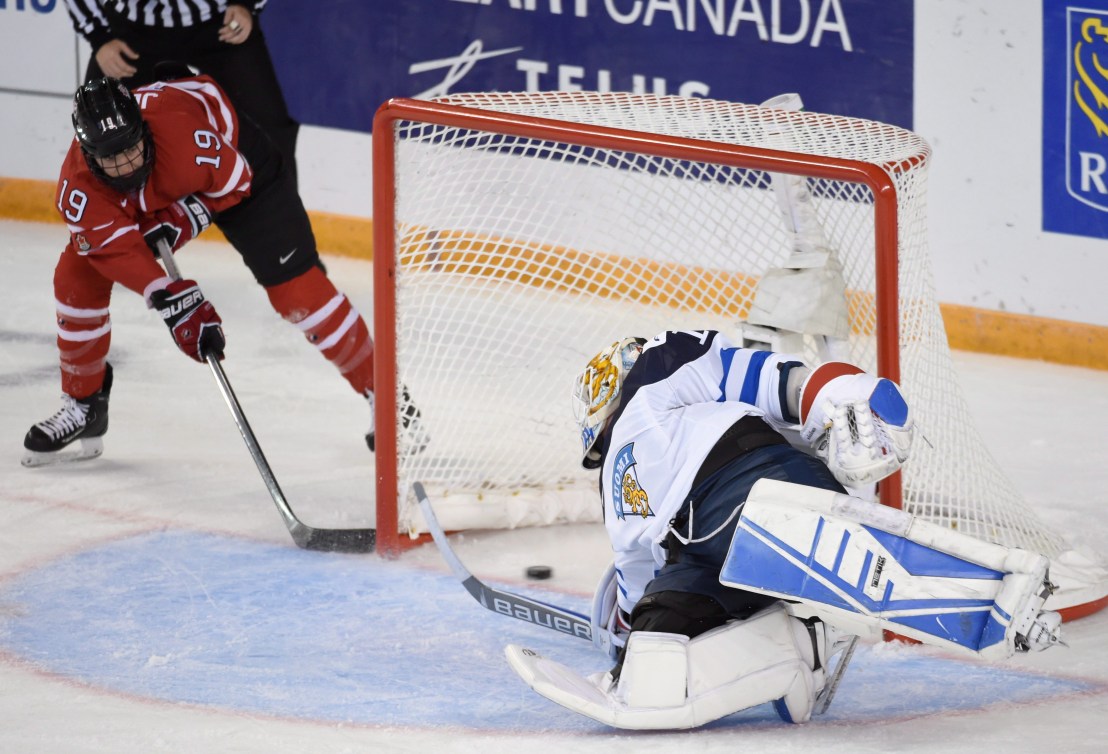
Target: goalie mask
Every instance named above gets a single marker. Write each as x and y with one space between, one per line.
596 393
108 122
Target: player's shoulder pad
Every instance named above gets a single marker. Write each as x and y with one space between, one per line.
668 351
662 356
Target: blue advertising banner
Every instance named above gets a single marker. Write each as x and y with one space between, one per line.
1075 117
339 60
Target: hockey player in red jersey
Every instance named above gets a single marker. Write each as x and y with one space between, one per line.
166 161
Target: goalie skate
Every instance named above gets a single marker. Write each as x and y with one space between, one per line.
74 433
843 647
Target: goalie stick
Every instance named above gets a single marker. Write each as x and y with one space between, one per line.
505 603
558 618
307 537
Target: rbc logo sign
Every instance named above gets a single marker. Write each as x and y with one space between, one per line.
1087 165
1075 117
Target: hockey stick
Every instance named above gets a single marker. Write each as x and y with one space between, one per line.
512 605
308 537
558 618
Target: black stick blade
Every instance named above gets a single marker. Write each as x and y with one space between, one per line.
335 540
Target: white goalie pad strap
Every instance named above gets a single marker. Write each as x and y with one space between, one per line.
671 682
865 568
655 672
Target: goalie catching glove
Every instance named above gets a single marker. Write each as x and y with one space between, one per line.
178 223
193 321
858 424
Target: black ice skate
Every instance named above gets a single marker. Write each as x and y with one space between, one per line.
413 437
49 441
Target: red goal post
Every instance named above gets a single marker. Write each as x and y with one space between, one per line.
490 203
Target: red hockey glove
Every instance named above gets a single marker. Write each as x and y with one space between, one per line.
192 321
178 223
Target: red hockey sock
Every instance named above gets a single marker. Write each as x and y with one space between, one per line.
84 336
81 299
330 322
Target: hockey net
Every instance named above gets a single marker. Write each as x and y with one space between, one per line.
515 235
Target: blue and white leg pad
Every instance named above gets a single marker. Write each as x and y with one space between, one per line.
866 568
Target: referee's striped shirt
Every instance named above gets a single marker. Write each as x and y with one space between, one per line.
91 23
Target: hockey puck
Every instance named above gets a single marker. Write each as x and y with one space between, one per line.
539 572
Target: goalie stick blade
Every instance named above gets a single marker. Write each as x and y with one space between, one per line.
561 684
592 696
505 603
90 448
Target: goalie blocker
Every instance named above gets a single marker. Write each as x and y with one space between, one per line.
838 561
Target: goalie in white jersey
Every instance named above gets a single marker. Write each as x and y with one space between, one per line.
683 426
722 479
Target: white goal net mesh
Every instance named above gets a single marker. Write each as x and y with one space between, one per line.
517 258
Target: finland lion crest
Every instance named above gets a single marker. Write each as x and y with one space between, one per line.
628 497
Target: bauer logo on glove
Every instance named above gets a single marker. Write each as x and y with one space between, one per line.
193 322
178 223
858 424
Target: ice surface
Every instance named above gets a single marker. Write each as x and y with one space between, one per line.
152 600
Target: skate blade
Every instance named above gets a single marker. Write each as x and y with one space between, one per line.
92 447
824 697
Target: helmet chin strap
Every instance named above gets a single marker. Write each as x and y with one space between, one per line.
593 457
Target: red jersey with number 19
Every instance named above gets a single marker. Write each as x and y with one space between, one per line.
195 133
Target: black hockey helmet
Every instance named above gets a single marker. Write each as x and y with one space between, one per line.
107 121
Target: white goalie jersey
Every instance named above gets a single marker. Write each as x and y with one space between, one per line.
686 389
